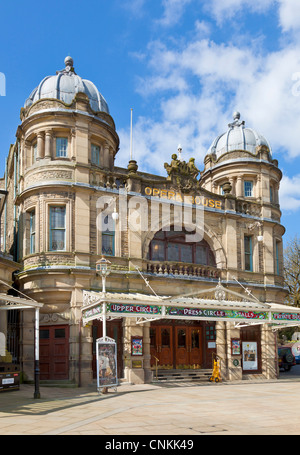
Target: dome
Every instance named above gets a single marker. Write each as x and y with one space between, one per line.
238 137
65 85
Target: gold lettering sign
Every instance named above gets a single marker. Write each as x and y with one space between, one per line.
174 196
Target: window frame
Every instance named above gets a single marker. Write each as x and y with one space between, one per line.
166 241
97 161
51 207
246 191
111 234
32 232
248 254
60 138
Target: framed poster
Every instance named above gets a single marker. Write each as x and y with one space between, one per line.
249 355
106 356
136 345
235 346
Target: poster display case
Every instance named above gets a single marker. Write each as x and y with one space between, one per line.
106 357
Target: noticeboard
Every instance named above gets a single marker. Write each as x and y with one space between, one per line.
106 356
250 361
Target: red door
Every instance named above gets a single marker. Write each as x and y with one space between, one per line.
54 352
188 346
195 337
161 346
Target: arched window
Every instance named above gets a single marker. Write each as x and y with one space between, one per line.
171 246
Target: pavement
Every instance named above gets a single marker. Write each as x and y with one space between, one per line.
256 407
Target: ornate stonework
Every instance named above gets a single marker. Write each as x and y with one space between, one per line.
183 175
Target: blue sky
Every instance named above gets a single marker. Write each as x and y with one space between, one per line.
184 66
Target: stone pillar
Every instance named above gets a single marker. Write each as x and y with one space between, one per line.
134 371
40 146
27 335
111 159
239 187
3 333
27 154
101 158
106 156
232 183
48 144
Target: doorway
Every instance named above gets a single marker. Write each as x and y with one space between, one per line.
176 345
54 352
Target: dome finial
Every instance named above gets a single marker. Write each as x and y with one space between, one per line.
236 120
69 69
69 61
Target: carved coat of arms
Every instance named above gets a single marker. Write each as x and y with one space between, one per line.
183 175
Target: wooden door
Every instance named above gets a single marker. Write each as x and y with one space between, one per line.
54 352
188 346
161 346
195 349
181 345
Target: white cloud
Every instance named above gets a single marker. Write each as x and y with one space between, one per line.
228 9
289 193
289 15
173 11
197 86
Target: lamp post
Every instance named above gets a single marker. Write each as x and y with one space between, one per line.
103 269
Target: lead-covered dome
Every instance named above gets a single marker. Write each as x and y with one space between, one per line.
65 85
238 137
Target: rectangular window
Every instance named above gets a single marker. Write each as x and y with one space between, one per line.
248 188
108 236
57 228
32 232
248 253
95 154
61 147
277 257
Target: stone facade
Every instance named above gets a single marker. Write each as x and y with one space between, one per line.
37 180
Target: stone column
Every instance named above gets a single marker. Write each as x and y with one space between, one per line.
3 332
106 156
133 366
239 186
40 146
232 183
48 143
27 154
101 158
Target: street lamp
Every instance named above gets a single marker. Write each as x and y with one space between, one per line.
103 269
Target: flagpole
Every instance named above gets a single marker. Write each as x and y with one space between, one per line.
131 134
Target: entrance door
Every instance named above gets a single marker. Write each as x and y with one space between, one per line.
161 345
188 346
195 351
54 352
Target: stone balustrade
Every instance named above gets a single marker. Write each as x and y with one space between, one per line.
182 269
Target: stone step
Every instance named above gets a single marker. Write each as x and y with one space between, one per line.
182 375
